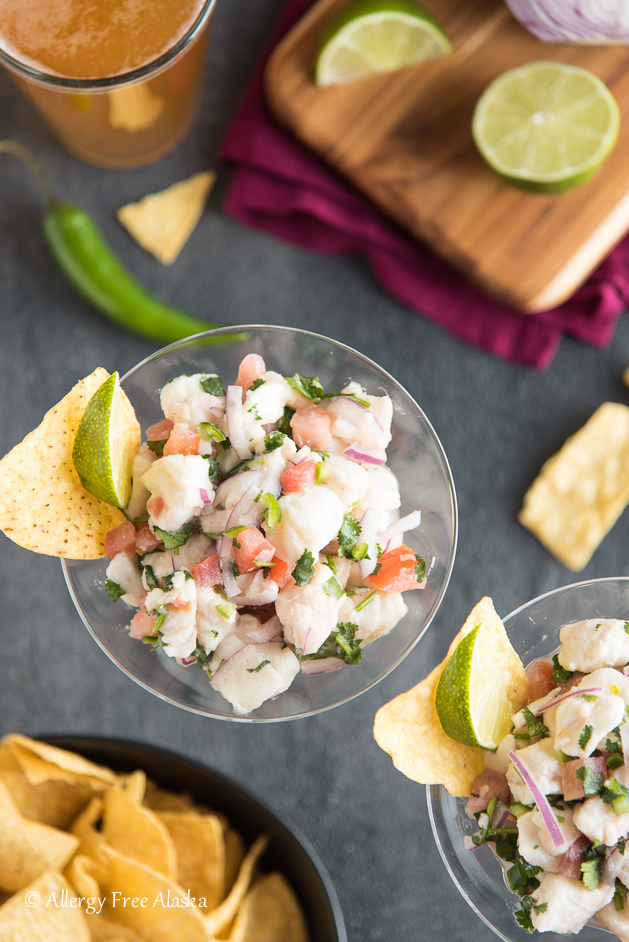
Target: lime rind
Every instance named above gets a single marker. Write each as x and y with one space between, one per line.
546 126
376 36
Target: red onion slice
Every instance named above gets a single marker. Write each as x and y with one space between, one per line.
234 420
540 800
403 525
322 666
612 866
356 452
353 403
186 661
205 497
575 692
241 507
269 630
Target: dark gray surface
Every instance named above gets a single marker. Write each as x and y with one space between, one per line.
497 422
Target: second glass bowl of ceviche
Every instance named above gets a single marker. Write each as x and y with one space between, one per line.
533 630
295 506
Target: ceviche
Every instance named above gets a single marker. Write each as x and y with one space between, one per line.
263 536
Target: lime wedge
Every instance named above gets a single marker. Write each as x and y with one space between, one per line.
371 36
105 443
546 126
471 701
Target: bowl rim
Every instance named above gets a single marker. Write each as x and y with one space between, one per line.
77 741
434 793
242 329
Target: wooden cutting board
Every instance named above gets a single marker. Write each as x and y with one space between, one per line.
404 140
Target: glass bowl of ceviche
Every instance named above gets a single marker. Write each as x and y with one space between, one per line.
584 864
292 527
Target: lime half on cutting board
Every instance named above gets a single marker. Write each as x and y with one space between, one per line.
372 36
546 126
471 701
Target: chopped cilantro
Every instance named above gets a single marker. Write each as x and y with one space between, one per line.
333 588
157 447
210 433
213 467
254 670
523 916
614 745
560 675
150 578
534 726
420 568
591 781
175 540
348 535
620 891
113 590
341 643
235 570
590 872
201 655
585 736
283 424
257 383
143 519
273 440
309 386
615 762
303 573
254 411
627 627
213 386
621 845
241 466
616 795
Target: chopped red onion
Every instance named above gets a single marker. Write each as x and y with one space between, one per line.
321 666
357 454
205 497
186 661
403 525
562 21
234 420
575 692
541 801
243 505
223 489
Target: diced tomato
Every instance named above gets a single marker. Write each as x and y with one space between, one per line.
571 785
300 478
155 505
312 427
281 571
488 785
120 540
146 541
207 572
571 860
540 675
182 442
248 546
250 369
159 431
141 625
397 571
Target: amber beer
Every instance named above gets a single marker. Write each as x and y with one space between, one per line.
116 80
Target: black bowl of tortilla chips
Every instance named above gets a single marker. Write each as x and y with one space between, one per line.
88 824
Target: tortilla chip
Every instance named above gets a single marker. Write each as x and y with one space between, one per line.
81 873
234 856
27 848
134 108
43 506
159 799
44 922
200 850
270 912
408 727
167 917
42 763
136 832
220 919
54 802
163 222
582 490
102 930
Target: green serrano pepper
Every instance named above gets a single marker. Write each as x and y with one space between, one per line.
97 273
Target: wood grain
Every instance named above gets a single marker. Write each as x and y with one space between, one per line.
404 140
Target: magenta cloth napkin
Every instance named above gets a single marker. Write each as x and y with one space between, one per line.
283 188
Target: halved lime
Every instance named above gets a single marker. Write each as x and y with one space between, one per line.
471 700
372 36
105 443
546 126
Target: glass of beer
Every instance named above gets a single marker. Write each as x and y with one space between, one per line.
117 81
